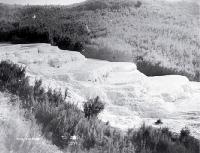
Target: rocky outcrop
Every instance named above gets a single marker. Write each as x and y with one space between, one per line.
131 97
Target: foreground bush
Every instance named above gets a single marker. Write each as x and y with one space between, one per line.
70 129
150 140
93 107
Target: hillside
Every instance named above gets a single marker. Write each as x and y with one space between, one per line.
64 103
131 98
97 100
161 37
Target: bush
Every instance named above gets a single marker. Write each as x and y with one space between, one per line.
184 133
159 121
78 46
11 76
93 107
150 140
138 4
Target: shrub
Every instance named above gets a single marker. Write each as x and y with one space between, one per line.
11 76
159 121
150 140
65 43
138 4
186 139
78 46
184 133
93 107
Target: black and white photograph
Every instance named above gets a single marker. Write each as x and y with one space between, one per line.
99 76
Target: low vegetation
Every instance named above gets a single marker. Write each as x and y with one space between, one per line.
18 135
150 140
60 120
74 130
160 36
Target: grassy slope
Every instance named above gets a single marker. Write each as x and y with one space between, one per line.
19 135
161 37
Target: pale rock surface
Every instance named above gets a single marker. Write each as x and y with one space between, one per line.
131 97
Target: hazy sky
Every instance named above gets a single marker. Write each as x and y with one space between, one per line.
41 2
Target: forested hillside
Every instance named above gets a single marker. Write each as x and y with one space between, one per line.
161 37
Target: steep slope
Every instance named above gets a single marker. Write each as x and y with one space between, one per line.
131 97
